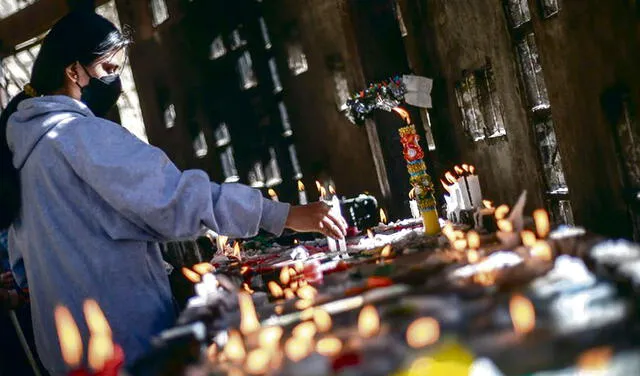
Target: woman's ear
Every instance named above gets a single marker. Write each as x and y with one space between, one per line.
71 72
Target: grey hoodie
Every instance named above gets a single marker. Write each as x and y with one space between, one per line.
95 202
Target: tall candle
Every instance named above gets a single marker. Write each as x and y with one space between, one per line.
474 188
333 245
337 211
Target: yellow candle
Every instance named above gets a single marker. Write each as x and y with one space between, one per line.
430 222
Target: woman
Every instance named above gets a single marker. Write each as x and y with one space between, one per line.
90 201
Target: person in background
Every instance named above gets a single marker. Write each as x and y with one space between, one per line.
87 202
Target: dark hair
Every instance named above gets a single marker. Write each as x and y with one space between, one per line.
80 36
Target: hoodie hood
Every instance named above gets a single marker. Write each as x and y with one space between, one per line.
37 116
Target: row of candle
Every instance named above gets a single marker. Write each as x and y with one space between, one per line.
463 188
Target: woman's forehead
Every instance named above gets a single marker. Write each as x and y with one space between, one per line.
117 57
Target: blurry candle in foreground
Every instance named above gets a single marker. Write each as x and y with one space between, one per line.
272 193
302 194
423 332
595 360
305 330
329 346
541 250
101 349
528 238
203 268
501 212
386 251
269 337
234 349
285 277
505 225
473 240
472 256
248 318
68 336
459 244
275 289
191 275
368 322
322 319
541 219
257 362
523 314
96 320
297 348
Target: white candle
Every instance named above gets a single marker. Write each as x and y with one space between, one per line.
463 194
337 210
415 212
302 194
474 189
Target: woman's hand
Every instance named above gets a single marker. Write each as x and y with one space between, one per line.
6 280
316 217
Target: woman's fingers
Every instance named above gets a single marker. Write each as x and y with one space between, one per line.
331 228
339 222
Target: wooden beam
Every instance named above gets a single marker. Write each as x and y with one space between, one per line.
31 22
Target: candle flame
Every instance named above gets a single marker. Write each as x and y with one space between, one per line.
279 310
458 170
300 186
285 277
244 269
236 251
68 336
472 170
305 331
247 288
293 286
459 244
473 239
329 346
505 225
318 186
485 278
298 266
445 186
383 216
332 190
487 204
501 212
248 318
221 242
523 315
292 272
296 242
203 268
96 320
297 348
368 322
257 362
101 349
212 352
412 193
528 238
596 359
307 292
191 275
275 289
449 232
450 178
465 167
542 250
541 219
404 114
323 193
289 294
234 349
386 251
423 332
472 256
272 193
322 319
303 304
270 337
369 234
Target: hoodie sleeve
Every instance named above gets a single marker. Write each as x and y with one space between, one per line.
141 183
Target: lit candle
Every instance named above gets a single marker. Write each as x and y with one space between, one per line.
273 194
474 188
337 211
69 337
302 194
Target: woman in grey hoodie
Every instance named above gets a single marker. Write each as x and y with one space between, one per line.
88 202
